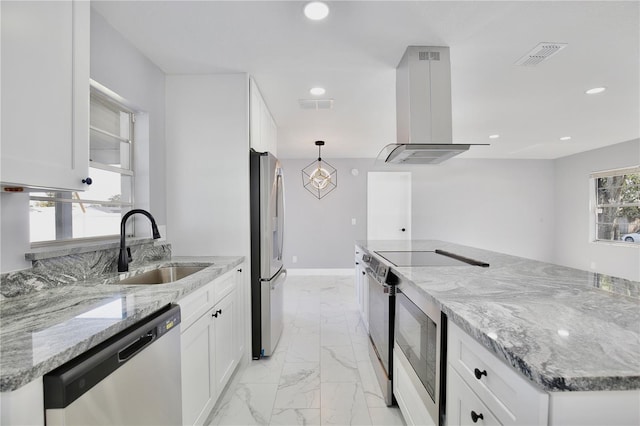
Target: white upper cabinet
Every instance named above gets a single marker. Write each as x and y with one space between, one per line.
263 132
45 94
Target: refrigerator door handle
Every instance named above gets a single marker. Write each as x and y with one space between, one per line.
280 213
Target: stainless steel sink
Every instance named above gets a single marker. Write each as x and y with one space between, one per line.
163 275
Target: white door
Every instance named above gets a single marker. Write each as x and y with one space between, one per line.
389 206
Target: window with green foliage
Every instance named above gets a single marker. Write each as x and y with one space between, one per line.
96 212
617 205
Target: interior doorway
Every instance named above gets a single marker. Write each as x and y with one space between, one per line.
389 206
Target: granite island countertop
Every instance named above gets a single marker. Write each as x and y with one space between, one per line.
565 329
42 330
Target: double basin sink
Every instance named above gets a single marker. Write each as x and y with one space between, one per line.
162 275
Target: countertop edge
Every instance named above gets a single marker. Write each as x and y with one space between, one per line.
16 379
543 381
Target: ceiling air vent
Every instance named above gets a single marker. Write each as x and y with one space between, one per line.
428 56
541 52
316 103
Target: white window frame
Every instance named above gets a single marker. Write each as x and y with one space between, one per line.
595 206
67 198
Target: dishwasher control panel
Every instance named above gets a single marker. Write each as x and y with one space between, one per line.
169 323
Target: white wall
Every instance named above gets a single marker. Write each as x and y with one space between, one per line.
119 66
208 164
537 209
572 243
501 205
319 232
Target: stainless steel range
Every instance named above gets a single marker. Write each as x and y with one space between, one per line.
381 283
383 292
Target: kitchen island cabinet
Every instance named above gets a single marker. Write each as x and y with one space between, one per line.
478 382
562 344
362 290
45 94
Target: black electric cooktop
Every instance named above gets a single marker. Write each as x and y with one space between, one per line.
427 258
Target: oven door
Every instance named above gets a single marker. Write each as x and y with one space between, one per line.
418 336
381 326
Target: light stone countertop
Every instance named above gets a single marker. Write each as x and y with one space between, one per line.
564 329
42 330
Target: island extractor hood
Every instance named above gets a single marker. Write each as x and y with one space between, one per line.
423 109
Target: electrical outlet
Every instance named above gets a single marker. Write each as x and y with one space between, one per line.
353 220
294 259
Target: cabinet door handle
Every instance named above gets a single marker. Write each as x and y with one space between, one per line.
479 373
216 313
475 416
240 270
87 181
403 229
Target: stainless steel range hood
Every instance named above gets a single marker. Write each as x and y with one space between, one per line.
423 109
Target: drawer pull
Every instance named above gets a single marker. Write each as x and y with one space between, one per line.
475 416
479 373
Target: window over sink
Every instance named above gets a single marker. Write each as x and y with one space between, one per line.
96 212
616 206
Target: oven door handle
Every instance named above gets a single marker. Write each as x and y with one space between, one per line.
386 288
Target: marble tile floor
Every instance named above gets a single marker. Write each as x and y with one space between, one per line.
320 373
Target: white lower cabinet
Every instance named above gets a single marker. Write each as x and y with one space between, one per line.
211 345
477 378
23 406
198 376
479 382
224 341
362 290
463 406
409 392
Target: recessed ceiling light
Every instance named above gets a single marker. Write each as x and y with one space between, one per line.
494 136
317 91
595 90
316 10
565 138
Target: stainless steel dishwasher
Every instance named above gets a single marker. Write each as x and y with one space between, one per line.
132 378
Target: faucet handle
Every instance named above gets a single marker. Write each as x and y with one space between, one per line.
129 258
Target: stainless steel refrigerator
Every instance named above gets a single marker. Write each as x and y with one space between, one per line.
267 239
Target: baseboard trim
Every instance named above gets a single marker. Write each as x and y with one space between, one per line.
309 271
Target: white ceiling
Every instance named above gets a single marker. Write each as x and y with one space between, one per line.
353 54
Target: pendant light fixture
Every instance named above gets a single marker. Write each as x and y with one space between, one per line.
319 177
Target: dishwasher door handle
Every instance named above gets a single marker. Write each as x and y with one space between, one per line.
135 347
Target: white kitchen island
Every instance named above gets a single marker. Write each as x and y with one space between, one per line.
572 335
